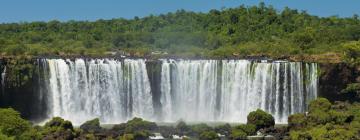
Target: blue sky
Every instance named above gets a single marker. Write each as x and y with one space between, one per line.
64 10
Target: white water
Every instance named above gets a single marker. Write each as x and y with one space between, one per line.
110 90
192 90
3 76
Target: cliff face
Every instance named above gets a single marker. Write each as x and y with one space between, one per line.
25 98
30 100
334 78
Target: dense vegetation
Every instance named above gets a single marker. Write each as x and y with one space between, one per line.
232 32
242 31
325 120
12 126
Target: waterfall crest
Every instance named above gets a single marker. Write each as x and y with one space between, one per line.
192 90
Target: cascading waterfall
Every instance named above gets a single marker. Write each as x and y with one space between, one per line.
227 90
111 90
192 90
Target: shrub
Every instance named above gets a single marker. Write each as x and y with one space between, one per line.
90 137
297 121
209 135
32 134
58 128
352 50
5 137
136 126
11 123
300 135
321 104
326 121
249 129
241 131
319 112
237 134
59 123
223 129
340 117
343 134
260 119
127 137
317 117
200 128
352 89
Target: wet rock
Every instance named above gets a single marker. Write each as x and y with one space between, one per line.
92 126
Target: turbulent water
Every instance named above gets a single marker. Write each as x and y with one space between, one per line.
192 90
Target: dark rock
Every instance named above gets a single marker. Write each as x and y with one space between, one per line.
60 135
59 123
92 126
334 78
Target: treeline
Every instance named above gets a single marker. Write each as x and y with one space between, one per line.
242 31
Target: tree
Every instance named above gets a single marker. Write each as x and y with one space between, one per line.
260 119
304 39
352 50
326 121
11 124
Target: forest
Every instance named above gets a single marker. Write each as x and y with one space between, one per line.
230 32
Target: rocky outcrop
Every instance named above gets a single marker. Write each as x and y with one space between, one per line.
335 77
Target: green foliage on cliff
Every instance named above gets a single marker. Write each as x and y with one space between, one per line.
254 30
352 51
11 124
352 89
19 71
326 121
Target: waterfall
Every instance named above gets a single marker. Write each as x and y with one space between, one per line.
193 90
165 98
111 90
193 95
227 90
3 76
